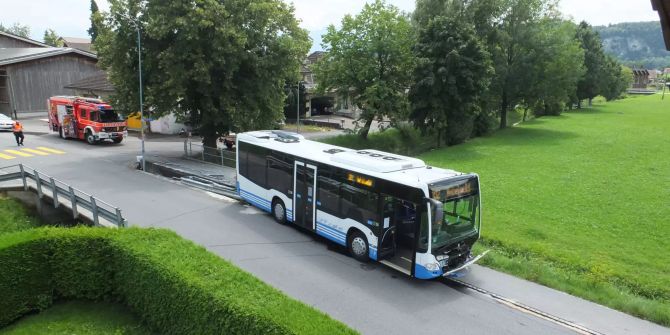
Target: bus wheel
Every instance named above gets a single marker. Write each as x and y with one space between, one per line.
358 246
90 139
279 211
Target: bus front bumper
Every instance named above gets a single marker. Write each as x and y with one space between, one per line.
455 271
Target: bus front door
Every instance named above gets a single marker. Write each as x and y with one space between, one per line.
304 204
396 245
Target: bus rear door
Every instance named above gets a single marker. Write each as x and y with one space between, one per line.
304 204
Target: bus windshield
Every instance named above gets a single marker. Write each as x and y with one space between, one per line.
460 212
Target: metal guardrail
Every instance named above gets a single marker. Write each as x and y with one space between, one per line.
60 192
219 156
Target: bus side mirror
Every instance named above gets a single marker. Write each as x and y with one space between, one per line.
437 210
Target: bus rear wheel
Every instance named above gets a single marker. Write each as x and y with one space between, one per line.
358 246
279 211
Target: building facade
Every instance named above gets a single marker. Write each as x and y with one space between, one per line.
31 72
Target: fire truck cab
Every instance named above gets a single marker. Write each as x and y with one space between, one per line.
86 119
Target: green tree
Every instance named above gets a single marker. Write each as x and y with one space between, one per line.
52 39
219 64
509 29
17 29
590 84
96 21
452 72
616 79
556 65
370 60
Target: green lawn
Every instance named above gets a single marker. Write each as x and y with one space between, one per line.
79 318
581 202
14 217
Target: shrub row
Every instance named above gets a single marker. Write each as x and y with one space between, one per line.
175 286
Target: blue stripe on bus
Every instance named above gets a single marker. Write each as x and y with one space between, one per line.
330 237
331 230
257 198
255 201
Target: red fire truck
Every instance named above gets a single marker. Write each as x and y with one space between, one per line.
86 119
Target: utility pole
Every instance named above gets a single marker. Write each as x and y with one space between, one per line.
139 61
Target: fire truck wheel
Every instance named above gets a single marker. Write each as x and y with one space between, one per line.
90 139
60 132
117 140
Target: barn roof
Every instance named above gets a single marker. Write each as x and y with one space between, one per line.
77 42
27 40
663 8
19 55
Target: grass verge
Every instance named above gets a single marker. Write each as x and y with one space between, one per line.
14 216
578 202
403 140
81 318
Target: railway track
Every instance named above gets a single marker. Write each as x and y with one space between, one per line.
577 328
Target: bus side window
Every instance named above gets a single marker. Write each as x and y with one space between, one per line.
242 152
280 173
360 204
256 165
328 195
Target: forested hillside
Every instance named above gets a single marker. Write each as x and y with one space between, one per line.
636 43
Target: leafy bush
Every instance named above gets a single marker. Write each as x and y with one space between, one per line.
403 140
175 286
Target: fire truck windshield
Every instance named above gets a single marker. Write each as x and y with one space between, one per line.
105 115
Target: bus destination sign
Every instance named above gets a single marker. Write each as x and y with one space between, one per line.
456 191
360 180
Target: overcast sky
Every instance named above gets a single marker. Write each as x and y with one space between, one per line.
71 17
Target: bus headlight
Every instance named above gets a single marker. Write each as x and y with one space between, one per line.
432 266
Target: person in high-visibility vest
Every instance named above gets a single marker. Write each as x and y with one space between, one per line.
18 133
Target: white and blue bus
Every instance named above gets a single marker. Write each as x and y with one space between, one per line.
396 210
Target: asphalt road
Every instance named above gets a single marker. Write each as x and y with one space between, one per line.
368 297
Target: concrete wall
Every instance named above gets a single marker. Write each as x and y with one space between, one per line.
33 82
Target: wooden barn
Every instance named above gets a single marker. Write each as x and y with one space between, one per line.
31 72
640 78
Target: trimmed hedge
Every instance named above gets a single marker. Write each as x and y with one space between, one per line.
175 286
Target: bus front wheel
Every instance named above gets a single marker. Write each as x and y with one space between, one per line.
358 246
279 211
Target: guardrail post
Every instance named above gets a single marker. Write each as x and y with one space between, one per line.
119 219
203 153
94 210
54 192
23 176
73 200
38 182
185 148
221 152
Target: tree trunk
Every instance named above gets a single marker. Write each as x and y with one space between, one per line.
590 102
209 140
503 110
579 104
525 112
366 128
439 137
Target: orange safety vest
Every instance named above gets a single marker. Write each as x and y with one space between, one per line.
17 127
